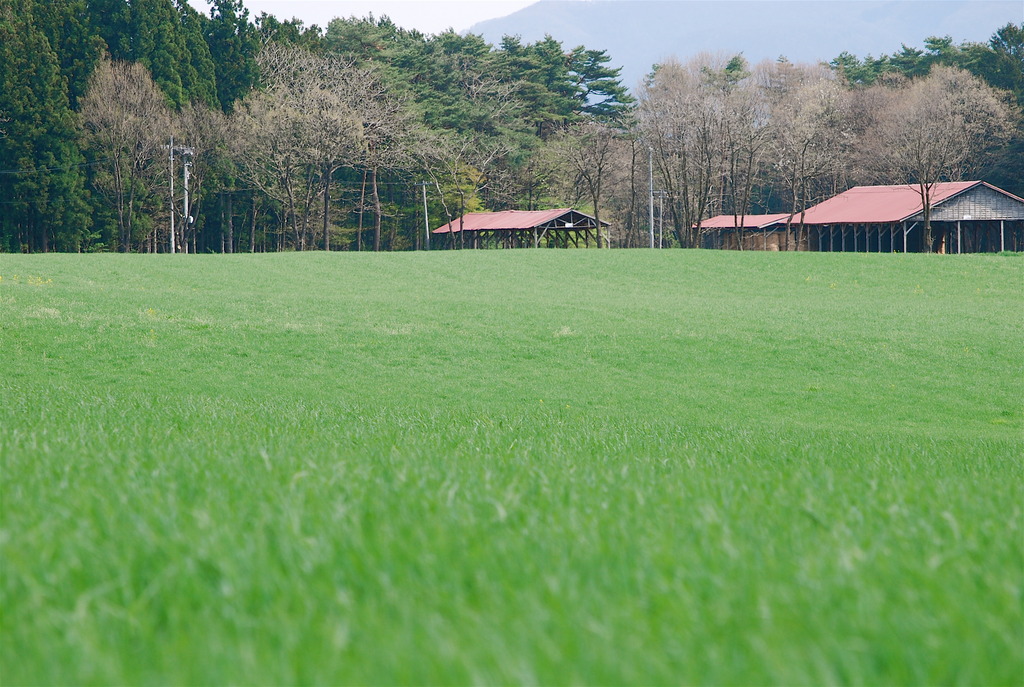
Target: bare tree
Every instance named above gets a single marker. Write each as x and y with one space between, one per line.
936 129
466 162
459 165
292 137
267 137
747 130
590 150
126 119
811 135
682 118
205 131
387 134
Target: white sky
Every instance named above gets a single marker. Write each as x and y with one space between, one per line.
429 16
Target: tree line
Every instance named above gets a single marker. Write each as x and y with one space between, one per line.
149 126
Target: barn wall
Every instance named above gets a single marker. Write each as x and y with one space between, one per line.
755 239
981 203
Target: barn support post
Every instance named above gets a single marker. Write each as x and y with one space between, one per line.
1002 237
959 242
905 231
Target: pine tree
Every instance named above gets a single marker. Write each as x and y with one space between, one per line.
73 39
602 94
233 44
42 180
159 45
199 76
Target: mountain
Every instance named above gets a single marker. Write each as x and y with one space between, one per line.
640 33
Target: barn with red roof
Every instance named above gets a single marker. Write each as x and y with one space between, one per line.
746 232
563 227
966 217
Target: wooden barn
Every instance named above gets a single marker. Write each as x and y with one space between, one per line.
559 228
966 217
750 232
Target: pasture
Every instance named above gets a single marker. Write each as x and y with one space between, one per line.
512 467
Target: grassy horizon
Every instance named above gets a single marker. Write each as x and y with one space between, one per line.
627 467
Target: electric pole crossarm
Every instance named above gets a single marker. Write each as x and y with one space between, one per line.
186 171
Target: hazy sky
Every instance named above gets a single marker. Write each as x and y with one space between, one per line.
429 16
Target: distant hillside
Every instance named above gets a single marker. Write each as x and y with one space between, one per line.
640 33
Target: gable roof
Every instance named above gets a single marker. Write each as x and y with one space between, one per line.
562 218
881 204
749 221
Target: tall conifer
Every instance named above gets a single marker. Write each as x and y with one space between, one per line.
41 167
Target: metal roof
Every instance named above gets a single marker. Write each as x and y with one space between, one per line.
749 221
515 220
880 204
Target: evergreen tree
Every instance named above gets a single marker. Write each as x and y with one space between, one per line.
198 76
110 20
233 44
41 168
73 39
602 95
159 46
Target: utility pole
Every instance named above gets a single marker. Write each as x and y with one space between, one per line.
661 217
650 188
426 216
186 167
171 148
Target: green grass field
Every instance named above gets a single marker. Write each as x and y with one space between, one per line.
512 467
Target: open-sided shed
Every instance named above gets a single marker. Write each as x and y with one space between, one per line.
523 228
966 217
749 232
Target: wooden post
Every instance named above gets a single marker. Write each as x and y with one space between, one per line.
1002 237
959 244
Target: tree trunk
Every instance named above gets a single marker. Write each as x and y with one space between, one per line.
327 212
375 194
462 219
596 197
231 224
252 227
362 205
926 210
